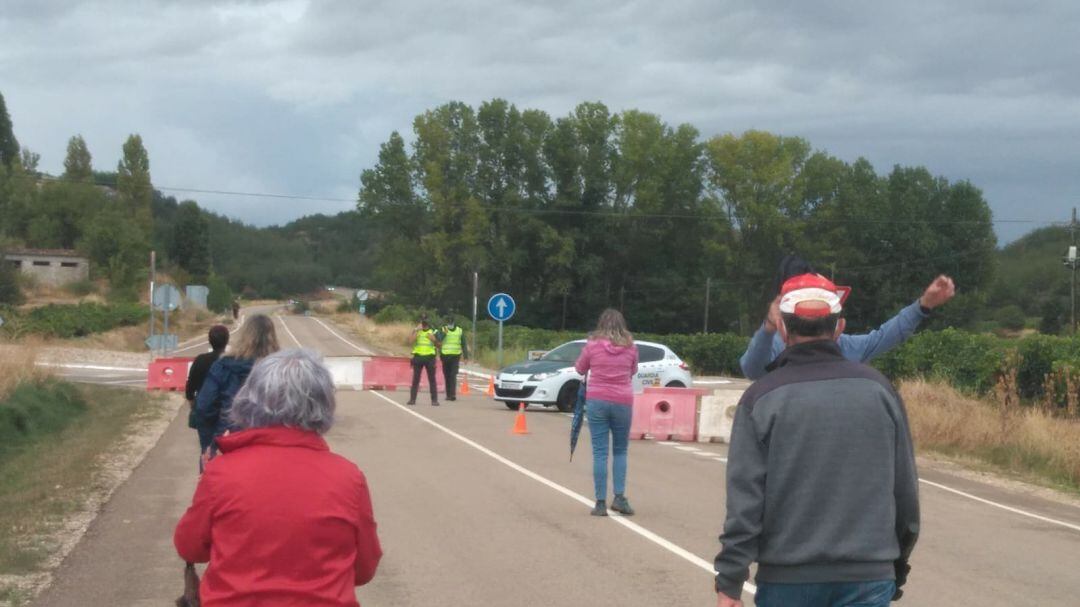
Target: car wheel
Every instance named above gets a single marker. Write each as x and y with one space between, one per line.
567 397
514 406
675 384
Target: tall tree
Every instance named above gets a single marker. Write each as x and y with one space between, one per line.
191 240
133 183
9 146
77 163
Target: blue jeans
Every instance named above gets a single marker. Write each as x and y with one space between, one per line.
830 594
608 418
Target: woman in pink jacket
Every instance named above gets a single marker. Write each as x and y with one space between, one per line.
610 359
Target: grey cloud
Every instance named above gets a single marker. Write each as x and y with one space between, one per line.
296 95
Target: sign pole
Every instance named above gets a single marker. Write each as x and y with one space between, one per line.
500 308
153 267
475 281
168 301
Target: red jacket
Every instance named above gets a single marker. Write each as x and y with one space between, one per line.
282 521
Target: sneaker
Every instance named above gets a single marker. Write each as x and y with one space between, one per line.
434 403
600 509
451 398
620 505
411 402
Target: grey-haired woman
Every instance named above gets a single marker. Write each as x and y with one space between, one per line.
280 518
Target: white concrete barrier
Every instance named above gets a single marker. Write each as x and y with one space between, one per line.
347 371
716 415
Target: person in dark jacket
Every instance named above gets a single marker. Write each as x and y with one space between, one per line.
219 338
822 489
425 346
256 340
280 518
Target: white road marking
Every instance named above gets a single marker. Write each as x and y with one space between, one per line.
705 453
90 367
1002 506
286 327
335 334
638 529
981 500
690 449
720 459
669 443
122 382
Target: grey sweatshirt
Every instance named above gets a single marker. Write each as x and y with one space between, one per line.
821 479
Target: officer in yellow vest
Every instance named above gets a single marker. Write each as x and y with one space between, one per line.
425 344
452 351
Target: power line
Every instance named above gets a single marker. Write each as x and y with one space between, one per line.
614 214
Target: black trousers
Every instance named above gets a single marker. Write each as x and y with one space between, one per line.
450 364
419 363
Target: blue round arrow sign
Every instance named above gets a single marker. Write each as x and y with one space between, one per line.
501 306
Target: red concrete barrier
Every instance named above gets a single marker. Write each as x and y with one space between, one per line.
168 374
395 373
666 414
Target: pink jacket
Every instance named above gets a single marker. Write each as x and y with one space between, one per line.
611 371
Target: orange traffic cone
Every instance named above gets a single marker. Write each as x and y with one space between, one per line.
491 386
464 390
520 426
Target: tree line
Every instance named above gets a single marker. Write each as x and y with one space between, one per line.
569 214
597 208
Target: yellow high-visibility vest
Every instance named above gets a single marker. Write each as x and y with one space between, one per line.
424 344
452 341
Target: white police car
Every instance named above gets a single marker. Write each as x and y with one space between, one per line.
552 381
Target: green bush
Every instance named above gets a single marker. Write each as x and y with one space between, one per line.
220 298
10 292
36 409
399 313
968 361
79 320
1011 317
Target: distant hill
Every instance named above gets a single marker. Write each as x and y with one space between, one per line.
1030 272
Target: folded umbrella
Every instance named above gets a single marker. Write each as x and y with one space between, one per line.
578 419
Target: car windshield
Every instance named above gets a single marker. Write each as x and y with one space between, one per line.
566 353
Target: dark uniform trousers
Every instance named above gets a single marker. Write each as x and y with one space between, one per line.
450 364
419 363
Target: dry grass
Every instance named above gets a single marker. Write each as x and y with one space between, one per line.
17 366
393 338
1021 440
187 324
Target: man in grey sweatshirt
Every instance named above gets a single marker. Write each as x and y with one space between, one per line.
822 490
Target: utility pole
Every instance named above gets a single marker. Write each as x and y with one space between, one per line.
1071 262
708 289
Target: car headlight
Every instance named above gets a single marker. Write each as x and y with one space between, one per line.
542 376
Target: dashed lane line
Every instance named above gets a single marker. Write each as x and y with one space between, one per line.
285 326
359 349
1038 517
632 526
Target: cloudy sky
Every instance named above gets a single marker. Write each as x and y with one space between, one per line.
294 96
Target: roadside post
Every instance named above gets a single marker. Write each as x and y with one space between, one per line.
166 298
362 297
501 307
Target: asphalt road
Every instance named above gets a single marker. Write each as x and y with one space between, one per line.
470 514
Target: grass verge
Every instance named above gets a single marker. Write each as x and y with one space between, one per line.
1026 442
54 470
